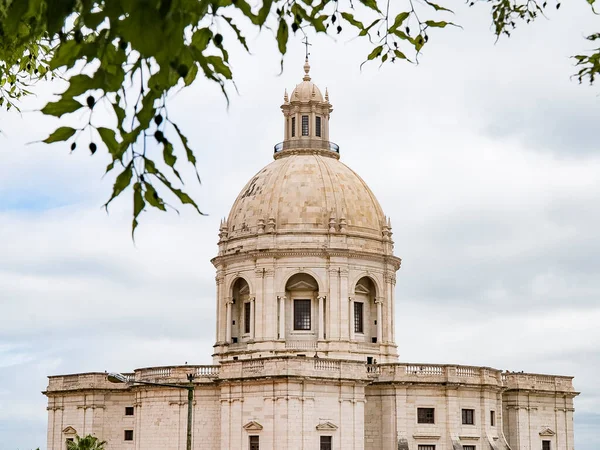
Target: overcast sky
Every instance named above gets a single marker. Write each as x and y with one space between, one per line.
485 156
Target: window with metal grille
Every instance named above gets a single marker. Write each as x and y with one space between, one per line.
318 126
326 443
426 447
493 418
304 125
254 443
301 314
129 410
358 317
247 317
468 447
546 445
468 416
129 435
293 126
425 415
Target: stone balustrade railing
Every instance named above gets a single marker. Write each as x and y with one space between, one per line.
324 368
327 364
301 345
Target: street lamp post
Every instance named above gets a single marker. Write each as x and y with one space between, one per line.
120 378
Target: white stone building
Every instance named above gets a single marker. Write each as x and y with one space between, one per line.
305 356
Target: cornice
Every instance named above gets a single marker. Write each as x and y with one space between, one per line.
323 253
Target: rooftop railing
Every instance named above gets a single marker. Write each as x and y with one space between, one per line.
307 144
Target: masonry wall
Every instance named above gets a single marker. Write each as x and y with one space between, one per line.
391 420
292 414
159 421
532 417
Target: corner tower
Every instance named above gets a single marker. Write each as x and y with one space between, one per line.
305 263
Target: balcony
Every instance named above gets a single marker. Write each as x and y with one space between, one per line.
307 144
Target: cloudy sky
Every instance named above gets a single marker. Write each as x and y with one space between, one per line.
486 156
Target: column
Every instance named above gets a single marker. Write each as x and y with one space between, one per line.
282 299
379 303
252 316
321 318
228 321
334 305
351 317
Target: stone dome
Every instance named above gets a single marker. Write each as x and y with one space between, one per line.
307 90
306 193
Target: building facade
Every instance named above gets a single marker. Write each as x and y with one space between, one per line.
305 356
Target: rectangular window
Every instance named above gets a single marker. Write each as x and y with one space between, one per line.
304 125
301 314
493 418
426 447
247 317
326 443
129 410
425 415
318 127
254 443
546 445
468 447
129 435
468 417
358 317
293 126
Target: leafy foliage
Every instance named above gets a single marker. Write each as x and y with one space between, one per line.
88 442
129 55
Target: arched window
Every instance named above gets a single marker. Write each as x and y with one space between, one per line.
240 314
302 289
365 311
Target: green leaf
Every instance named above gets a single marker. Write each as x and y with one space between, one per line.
400 55
371 4
63 106
138 206
375 53
60 134
263 12
201 38
352 21
238 33
170 158
282 36
65 55
400 18
219 66
434 24
191 75
123 180
188 151
152 197
108 137
441 8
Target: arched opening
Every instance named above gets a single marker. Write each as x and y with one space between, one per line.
241 311
365 311
303 313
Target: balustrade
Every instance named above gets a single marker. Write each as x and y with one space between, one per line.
326 364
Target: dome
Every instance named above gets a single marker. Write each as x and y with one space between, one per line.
306 193
307 90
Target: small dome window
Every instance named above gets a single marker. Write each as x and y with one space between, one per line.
318 126
304 125
293 126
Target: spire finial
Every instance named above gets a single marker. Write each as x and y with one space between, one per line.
285 96
326 94
306 70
